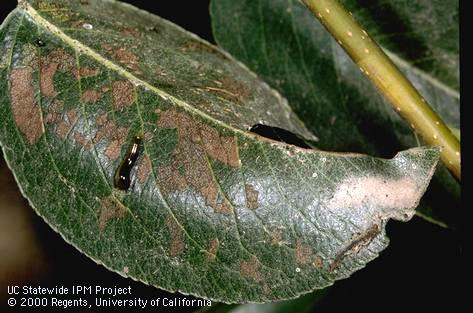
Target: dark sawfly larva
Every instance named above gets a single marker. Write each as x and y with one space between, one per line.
122 176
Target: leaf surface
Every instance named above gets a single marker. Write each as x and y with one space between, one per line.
287 46
212 210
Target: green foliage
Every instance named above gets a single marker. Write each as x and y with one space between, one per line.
287 46
212 210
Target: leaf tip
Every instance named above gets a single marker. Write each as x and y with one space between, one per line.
417 165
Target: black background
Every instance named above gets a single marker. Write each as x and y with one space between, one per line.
421 269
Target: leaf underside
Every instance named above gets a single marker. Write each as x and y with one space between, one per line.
212 209
288 47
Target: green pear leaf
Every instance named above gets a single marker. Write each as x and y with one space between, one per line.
129 136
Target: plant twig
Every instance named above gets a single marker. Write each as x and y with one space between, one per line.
377 66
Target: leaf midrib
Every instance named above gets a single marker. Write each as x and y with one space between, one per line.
68 185
86 50
77 46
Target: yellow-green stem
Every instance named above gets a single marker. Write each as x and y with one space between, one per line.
377 66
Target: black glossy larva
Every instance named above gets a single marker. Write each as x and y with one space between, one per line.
122 176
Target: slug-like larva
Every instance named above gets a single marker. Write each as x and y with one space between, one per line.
122 176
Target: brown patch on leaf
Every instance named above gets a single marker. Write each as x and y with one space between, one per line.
303 252
64 126
223 149
224 207
198 46
132 31
83 141
144 170
115 135
55 111
57 60
170 180
276 237
212 250
65 61
176 237
123 94
90 96
72 116
46 82
250 269
85 72
125 57
191 156
318 262
251 197
26 112
229 89
77 24
110 208
64 123
235 87
62 129
113 149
